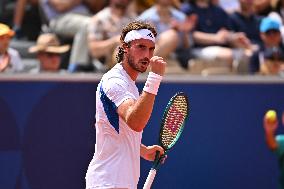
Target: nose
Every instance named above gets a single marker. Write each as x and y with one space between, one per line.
149 53
145 55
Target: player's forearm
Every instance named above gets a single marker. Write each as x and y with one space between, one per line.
141 110
139 114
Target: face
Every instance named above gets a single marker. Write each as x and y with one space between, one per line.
247 4
4 43
165 2
49 61
139 53
271 37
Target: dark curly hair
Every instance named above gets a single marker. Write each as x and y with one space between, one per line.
134 25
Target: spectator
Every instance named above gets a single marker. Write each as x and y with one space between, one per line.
48 50
246 22
104 33
10 61
269 58
174 29
69 20
213 38
26 14
276 16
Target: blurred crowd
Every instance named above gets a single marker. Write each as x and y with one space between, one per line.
197 36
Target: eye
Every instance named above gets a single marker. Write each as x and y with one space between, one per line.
141 46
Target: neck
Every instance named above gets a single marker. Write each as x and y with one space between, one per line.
130 71
246 12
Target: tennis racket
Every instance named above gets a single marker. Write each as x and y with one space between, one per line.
173 121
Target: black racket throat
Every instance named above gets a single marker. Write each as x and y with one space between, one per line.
158 160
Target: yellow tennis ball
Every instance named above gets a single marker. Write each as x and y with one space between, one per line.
271 116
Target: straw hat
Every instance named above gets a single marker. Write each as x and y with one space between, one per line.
48 42
5 30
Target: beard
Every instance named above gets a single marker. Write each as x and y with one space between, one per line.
135 66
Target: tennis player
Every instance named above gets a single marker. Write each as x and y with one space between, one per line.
122 114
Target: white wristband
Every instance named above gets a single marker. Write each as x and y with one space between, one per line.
153 82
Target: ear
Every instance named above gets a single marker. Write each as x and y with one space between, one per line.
125 47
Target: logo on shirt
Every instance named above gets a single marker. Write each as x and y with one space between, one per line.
147 85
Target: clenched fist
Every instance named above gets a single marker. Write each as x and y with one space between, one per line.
158 65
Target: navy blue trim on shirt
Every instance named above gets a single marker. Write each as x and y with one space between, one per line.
110 110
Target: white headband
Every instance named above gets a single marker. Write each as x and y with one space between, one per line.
139 34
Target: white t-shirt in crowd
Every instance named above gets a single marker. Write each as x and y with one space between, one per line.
230 5
116 162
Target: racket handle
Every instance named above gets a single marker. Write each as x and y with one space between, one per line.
150 179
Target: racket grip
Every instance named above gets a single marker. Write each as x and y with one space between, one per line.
150 179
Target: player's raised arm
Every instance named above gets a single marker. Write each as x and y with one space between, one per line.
138 55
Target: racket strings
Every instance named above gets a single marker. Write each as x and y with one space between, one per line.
174 120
